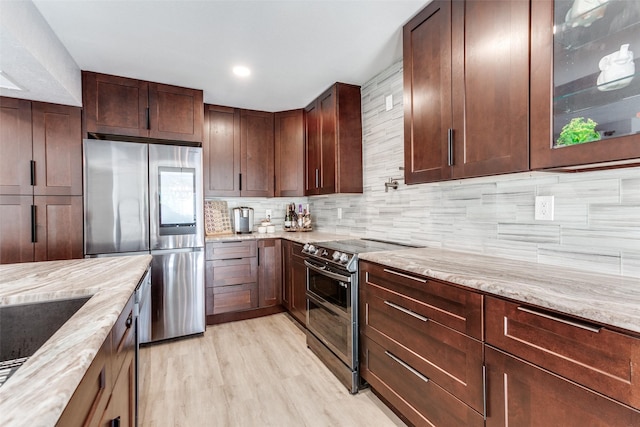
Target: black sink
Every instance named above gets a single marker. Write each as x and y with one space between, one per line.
25 327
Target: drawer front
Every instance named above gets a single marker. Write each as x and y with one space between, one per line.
229 250
596 357
448 305
447 357
523 395
123 337
421 401
235 298
231 272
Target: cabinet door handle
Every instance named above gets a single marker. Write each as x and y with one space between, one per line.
32 165
317 178
450 147
240 181
406 366
115 422
34 230
407 311
417 279
147 113
577 324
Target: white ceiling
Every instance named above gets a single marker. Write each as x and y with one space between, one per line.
295 48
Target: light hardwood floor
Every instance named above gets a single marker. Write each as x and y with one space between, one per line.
251 373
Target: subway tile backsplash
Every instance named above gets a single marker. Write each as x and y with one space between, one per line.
596 224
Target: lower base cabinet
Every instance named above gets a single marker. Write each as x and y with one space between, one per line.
419 400
106 395
524 395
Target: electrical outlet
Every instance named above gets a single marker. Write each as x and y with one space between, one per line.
389 102
544 208
339 213
268 213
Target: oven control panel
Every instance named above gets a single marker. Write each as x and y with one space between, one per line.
333 256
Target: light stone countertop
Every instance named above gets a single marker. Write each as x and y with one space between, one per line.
600 298
295 236
38 392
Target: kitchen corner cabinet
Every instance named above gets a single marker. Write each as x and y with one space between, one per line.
40 181
289 153
334 142
238 152
128 107
582 58
466 105
269 272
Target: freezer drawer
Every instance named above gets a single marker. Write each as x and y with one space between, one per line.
177 293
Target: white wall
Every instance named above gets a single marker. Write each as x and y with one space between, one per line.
597 214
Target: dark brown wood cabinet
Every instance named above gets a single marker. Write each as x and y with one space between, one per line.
289 153
106 395
243 279
466 109
522 394
422 346
269 272
333 133
589 354
40 181
238 152
593 46
128 107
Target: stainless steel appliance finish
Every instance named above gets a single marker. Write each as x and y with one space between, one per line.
332 303
147 198
243 220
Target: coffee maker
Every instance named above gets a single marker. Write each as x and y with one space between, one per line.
243 220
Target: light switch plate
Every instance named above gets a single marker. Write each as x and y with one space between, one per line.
544 208
389 102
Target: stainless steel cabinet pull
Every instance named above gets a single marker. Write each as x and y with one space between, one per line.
407 311
317 178
407 367
115 422
576 323
450 147
240 181
417 279
148 117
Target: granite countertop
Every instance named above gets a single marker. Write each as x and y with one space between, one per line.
295 236
38 392
601 298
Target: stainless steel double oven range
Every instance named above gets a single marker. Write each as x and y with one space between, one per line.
332 303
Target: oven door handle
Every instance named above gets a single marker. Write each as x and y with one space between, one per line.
322 270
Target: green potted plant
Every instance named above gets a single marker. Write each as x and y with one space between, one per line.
578 131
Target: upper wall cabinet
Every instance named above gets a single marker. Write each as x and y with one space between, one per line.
466 76
585 84
289 153
127 107
334 142
238 152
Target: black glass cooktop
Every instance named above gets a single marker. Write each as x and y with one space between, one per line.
360 246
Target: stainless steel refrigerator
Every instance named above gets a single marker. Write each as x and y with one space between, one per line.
147 198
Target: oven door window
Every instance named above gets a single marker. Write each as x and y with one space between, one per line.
333 329
331 290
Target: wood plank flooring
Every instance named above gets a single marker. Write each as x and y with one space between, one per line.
251 373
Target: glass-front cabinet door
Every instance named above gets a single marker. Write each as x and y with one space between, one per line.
585 82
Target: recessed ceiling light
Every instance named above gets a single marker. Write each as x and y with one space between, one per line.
241 71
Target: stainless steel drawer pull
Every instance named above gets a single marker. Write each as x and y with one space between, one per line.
577 324
407 367
417 279
407 311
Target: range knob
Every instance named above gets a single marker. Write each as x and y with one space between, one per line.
324 253
305 248
344 258
336 256
312 250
